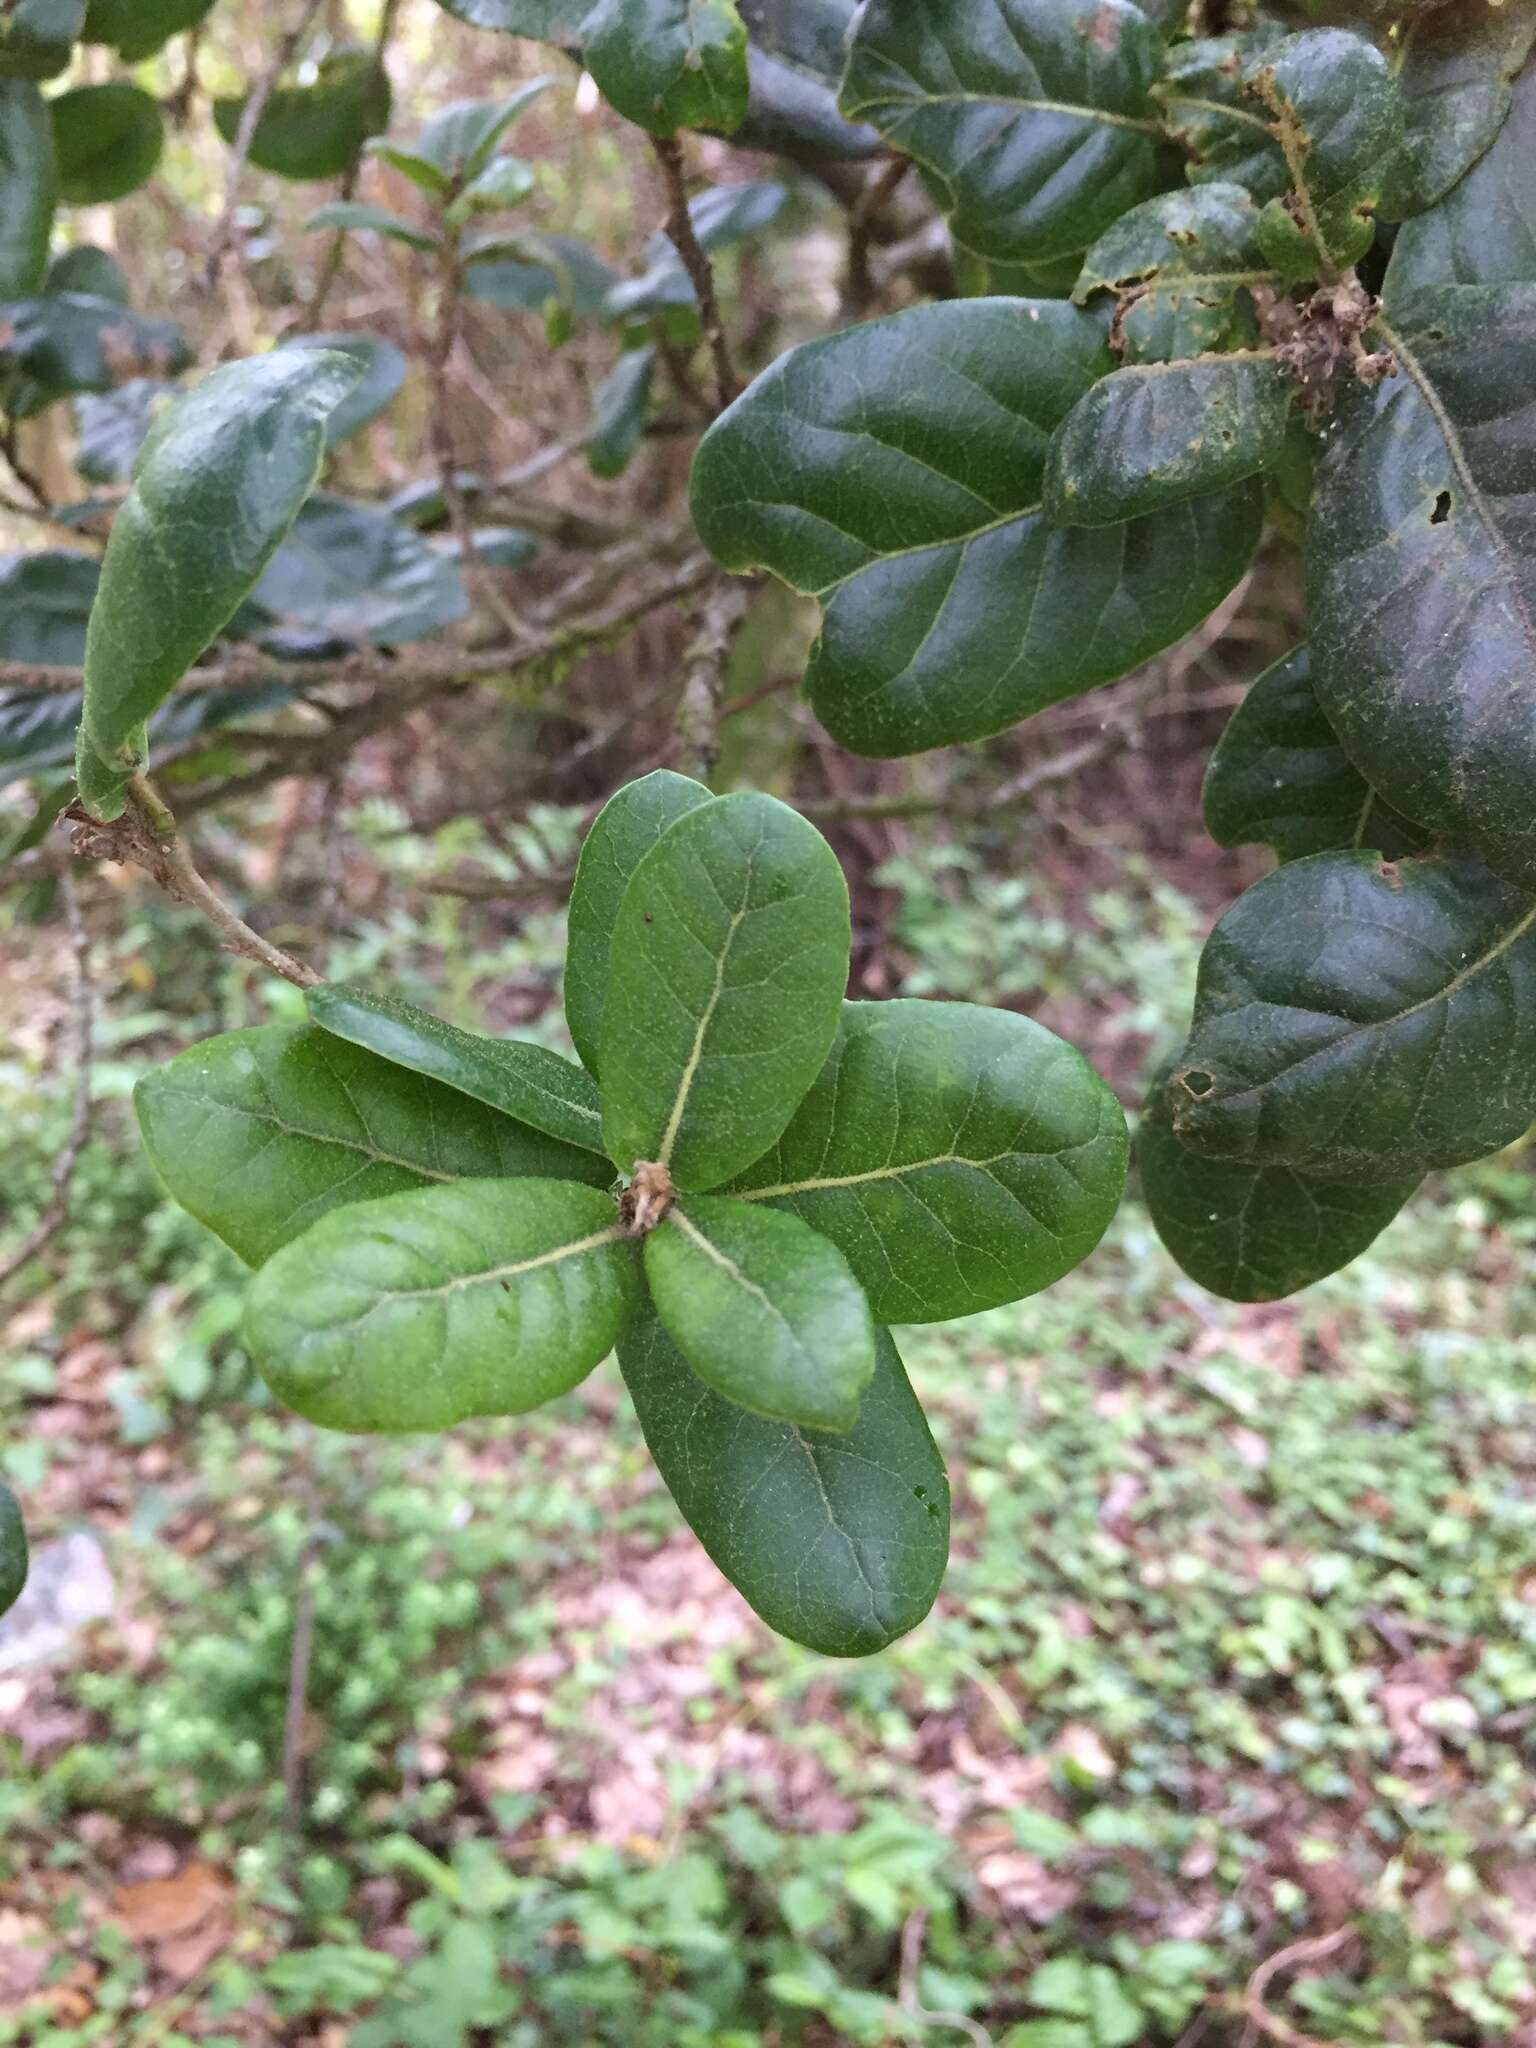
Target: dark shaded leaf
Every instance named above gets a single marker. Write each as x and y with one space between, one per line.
316 131
722 216
350 572
383 373
838 1542
621 405
138 28
1203 105
13 1550
1458 65
670 64
45 601
1180 267
107 139
547 267
89 271
549 21
112 426
53 347
28 187
1484 229
37 37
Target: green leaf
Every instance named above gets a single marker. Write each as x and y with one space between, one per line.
621 405
765 1311
1338 116
721 216
525 1081
37 37
1252 1232
1458 66
89 271
1181 267
456 145
726 978
28 187
348 216
547 21
1356 1018
112 426
958 1157
1156 434
547 267
316 131
45 601
1279 777
52 347
382 373
1484 229
625 830
13 1550
34 830
108 140
795 61
895 472
39 728
138 28
259 1133
350 572
670 64
1201 99
1033 128
217 486
838 1542
1421 571
420 1310
505 181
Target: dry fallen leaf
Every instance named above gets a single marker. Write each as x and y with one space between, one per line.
185 1918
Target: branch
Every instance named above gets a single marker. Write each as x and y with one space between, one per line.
52 1219
1059 768
699 708
250 119
680 231
330 268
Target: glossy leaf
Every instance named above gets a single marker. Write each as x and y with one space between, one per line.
28 187
317 130
670 64
383 371
1484 229
795 61
1355 1018
764 1309
1280 778
1181 267
1422 571
13 1550
524 1081
420 1310
958 1157
621 405
1204 108
138 28
349 216
53 347
1458 66
107 139
721 217
838 1542
624 831
37 37
218 484
1155 434
546 267
1252 1232
549 21
895 471
726 979
259 1133
112 426
1031 125
351 572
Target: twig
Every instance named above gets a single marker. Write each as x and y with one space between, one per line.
299 1659
859 283
146 835
697 723
250 118
330 268
680 232
29 481
1059 768
52 1219
1252 2005
912 1934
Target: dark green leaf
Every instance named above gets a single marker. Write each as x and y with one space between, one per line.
958 1157
723 215
28 187
91 272
1422 571
764 1309
895 472
1181 267
794 65
1200 96
218 484
138 28
53 347
37 36
34 830
259 1133
1484 229
349 217
726 979
838 1542
1032 127
45 601
39 728
670 64
1250 1232
525 1081
112 426
108 140
1353 1018
13 1550
547 21
1279 777
1155 434
316 131
548 267
1458 65
625 830
350 572
621 405
417 1311
383 373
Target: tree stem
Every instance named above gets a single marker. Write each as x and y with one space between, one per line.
695 260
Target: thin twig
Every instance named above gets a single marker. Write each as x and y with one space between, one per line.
250 119
691 252
1252 2005
299 1659
697 721
912 1934
330 268
52 1219
859 283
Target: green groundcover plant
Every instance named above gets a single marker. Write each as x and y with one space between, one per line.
1214 276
